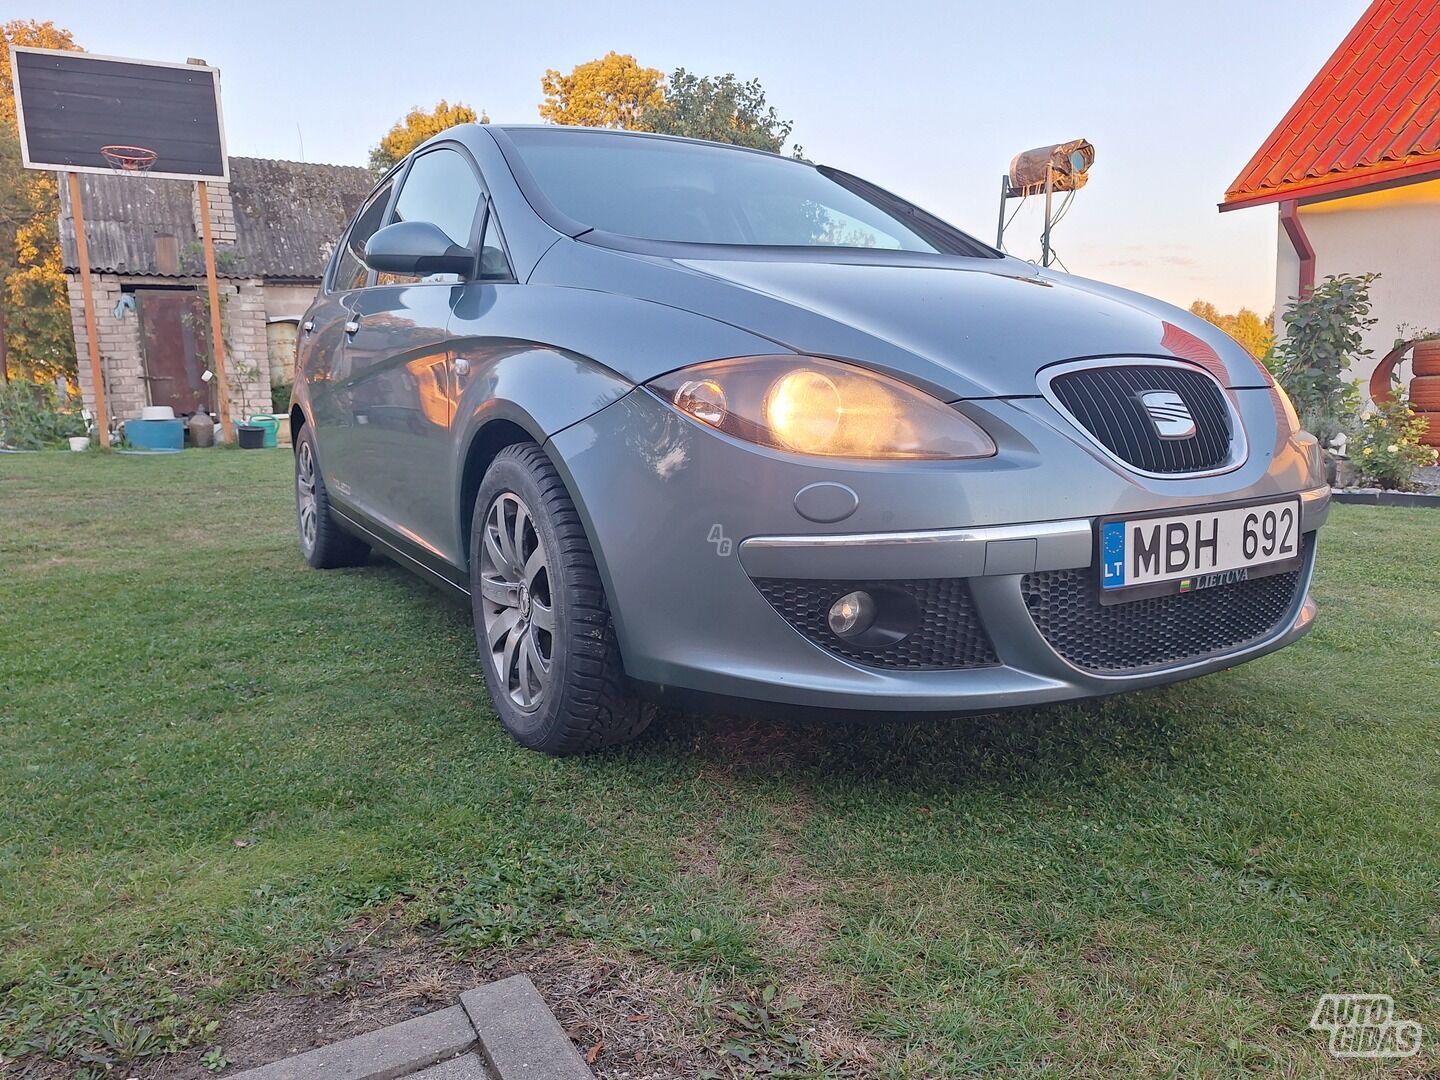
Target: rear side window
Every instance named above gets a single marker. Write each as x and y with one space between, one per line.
494 266
441 188
351 271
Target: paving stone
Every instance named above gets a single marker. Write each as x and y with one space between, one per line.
394 1051
519 1035
466 1067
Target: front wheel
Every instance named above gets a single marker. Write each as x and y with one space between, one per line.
542 624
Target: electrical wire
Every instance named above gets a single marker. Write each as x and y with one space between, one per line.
1008 221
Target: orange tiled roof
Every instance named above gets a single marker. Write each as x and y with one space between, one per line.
1371 115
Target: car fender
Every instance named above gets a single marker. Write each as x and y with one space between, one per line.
596 348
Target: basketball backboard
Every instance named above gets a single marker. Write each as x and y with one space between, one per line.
71 104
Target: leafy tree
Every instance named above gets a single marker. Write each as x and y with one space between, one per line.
614 91
719 108
1244 326
1324 335
35 335
418 126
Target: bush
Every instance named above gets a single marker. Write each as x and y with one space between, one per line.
280 396
1323 337
34 416
1387 449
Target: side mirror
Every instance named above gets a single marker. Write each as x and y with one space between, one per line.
416 248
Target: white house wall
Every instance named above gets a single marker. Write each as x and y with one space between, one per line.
1395 233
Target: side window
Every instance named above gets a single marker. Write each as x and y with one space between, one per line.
350 269
494 266
441 188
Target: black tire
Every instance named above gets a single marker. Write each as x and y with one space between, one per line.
583 701
325 545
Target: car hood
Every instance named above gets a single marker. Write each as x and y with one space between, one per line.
995 328
960 327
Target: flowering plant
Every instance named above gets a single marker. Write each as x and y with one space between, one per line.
1387 448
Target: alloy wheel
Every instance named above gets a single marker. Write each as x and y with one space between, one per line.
516 601
306 499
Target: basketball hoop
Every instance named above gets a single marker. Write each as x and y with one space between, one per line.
128 158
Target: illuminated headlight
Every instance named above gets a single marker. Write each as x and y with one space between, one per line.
812 405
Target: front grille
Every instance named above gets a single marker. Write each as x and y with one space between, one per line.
1105 401
948 635
1159 630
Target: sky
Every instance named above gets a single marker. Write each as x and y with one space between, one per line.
929 100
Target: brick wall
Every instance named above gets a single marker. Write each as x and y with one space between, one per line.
120 358
247 352
222 212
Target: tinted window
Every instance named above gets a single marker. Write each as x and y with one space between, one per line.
658 189
441 188
350 271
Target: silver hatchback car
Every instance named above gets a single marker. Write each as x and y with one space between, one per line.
683 417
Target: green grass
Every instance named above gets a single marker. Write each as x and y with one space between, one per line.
1158 885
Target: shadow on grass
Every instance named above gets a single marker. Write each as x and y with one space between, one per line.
1203 726
1186 729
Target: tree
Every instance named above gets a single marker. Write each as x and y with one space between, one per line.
614 91
719 108
1246 327
418 126
35 335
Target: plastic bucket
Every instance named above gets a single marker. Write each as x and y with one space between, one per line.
271 426
250 436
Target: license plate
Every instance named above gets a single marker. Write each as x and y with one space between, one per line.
1198 549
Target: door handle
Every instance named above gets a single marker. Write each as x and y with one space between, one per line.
462 366
352 326
308 325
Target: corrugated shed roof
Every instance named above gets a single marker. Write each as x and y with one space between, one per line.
1371 115
288 216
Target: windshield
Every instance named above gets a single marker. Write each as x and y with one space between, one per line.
663 189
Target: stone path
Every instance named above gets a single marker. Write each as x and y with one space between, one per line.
501 1031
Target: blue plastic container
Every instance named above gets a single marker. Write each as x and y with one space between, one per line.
155 434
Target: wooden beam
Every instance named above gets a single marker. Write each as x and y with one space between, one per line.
217 330
82 256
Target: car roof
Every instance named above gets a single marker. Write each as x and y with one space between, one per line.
640 135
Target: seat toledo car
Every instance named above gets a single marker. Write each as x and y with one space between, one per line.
678 416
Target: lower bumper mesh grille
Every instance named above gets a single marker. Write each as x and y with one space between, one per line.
1160 630
949 634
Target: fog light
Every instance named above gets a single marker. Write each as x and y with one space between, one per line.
852 614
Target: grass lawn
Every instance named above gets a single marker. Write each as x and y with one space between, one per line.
227 778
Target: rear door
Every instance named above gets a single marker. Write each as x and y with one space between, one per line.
397 391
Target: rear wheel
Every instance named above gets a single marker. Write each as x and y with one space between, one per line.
542 624
322 542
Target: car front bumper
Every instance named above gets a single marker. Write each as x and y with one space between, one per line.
692 529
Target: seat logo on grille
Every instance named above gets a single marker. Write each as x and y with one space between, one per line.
1168 413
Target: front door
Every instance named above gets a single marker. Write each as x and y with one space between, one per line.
395 395
176 348
398 389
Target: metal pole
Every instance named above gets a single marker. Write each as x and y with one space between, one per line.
1000 228
217 338
1045 236
82 256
